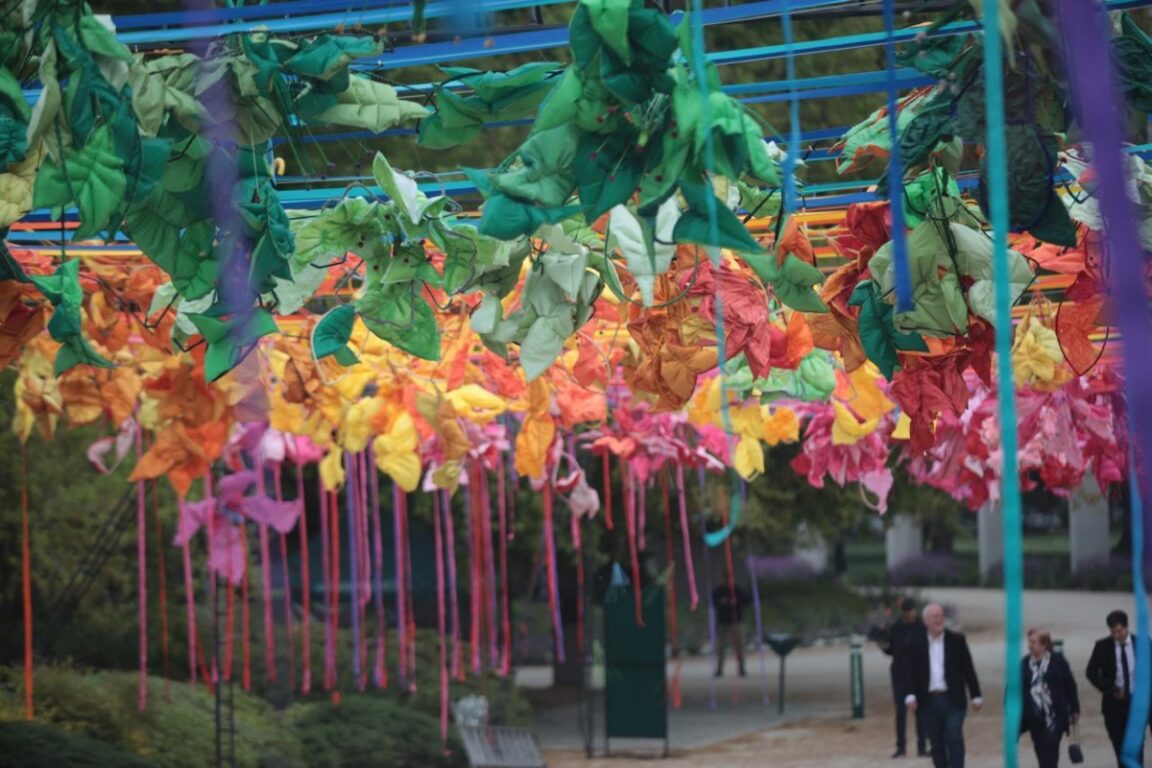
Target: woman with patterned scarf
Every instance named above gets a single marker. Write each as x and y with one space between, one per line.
1051 703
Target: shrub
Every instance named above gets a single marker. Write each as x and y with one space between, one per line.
175 733
788 568
1106 574
38 745
930 570
366 731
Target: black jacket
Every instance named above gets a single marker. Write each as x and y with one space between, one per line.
1062 689
959 671
897 642
1101 670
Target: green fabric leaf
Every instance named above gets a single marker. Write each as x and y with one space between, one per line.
62 288
409 263
92 178
330 336
401 189
434 134
545 175
508 218
327 56
230 341
608 170
583 38
610 20
366 104
878 335
354 224
694 225
922 135
399 315
933 194
1032 163
195 268
13 94
291 295
936 56
647 243
42 124
794 285
939 306
1133 50
651 42
101 40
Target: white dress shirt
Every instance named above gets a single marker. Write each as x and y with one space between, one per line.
936 682
1126 646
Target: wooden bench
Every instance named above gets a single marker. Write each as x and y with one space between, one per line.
490 746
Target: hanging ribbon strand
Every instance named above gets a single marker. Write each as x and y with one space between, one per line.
505 608
142 575
26 587
305 588
380 668
997 160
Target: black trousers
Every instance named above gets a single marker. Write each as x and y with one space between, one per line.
1116 722
729 634
1047 746
898 696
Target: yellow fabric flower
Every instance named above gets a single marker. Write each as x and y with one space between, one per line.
748 457
864 395
1036 354
903 430
396 452
847 429
537 432
332 469
356 429
476 404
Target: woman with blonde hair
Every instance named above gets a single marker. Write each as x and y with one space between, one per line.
1051 702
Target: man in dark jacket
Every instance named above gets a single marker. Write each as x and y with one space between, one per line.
1051 702
896 642
1112 670
942 674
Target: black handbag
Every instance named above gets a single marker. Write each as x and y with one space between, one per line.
1075 754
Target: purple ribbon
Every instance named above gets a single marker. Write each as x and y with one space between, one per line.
1101 115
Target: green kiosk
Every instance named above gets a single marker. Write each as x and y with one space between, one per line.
635 684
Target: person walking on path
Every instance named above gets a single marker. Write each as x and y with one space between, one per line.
730 602
896 641
1112 670
1051 701
943 675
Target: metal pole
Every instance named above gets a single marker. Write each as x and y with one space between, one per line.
780 694
856 666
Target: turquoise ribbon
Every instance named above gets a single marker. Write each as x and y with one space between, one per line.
1010 478
1142 690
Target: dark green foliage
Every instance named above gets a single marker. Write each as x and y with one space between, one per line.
373 732
176 730
36 745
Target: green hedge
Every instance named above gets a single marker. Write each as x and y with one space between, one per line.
38 745
370 732
382 729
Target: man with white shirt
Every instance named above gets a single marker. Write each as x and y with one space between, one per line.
1112 669
942 674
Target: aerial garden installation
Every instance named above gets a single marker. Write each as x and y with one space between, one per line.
644 285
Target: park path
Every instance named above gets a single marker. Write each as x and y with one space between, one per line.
816 729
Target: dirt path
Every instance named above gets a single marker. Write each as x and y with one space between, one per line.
817 730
